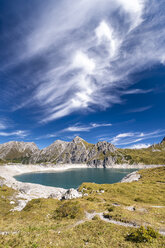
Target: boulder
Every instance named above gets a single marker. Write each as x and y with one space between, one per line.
132 177
71 194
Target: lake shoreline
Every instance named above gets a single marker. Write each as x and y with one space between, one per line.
9 171
29 191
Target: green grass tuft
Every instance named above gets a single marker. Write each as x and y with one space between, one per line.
142 234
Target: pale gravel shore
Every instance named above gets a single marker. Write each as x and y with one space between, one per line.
29 191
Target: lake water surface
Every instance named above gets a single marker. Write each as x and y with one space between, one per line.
73 178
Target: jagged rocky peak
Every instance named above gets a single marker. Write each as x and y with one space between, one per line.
105 146
57 143
77 139
163 140
56 148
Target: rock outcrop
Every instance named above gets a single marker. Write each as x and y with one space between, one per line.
71 194
132 177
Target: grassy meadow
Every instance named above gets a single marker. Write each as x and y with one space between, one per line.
51 223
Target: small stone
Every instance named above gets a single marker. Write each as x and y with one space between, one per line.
130 208
24 189
116 204
53 195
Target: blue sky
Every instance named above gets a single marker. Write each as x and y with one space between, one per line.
90 68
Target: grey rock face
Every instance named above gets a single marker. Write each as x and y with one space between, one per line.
101 154
75 152
15 150
50 153
78 151
105 147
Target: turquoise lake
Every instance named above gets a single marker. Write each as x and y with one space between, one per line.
73 178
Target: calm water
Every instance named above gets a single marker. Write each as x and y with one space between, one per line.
73 178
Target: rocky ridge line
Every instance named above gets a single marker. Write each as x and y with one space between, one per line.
78 151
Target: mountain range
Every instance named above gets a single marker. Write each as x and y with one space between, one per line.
78 151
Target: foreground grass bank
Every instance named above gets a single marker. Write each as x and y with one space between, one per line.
52 223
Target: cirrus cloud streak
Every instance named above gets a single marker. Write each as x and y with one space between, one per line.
80 55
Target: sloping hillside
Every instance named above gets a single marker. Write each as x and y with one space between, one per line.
154 154
15 151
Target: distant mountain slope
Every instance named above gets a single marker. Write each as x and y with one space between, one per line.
75 152
50 153
78 151
154 154
17 151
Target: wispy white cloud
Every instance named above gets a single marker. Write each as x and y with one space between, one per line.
139 146
101 125
90 49
3 125
18 133
6 123
137 91
134 137
135 9
81 61
106 36
137 110
121 135
76 129
98 64
85 128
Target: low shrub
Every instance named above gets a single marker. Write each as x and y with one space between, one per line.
32 204
96 217
68 210
107 215
142 234
138 199
91 199
111 209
